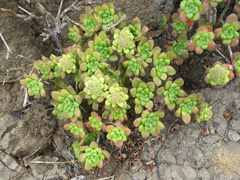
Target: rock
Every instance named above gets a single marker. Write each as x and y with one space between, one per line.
189 173
235 125
166 157
203 174
44 167
233 135
10 168
16 137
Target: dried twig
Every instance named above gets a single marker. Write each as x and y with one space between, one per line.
49 162
13 13
9 51
78 177
226 59
107 178
220 19
25 101
230 51
115 24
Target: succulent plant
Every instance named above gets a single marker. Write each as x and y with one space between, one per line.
203 39
67 64
134 66
191 9
172 91
143 93
178 51
93 156
116 97
95 87
44 67
106 14
67 105
161 68
91 61
236 63
124 41
76 149
213 3
137 30
145 49
90 23
164 21
204 114
102 44
119 115
34 86
117 134
95 122
219 75
237 7
187 106
149 123
228 32
74 34
76 129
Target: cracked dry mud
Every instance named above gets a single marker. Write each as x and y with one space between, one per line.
32 135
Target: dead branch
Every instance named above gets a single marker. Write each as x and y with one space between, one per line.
9 51
52 26
220 19
115 24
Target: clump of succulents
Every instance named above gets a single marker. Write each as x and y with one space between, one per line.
34 86
134 66
124 41
172 91
236 63
95 87
90 23
192 9
145 50
105 14
74 34
219 74
202 40
187 106
93 156
117 134
103 84
178 51
95 122
76 128
149 123
143 93
102 45
67 104
137 30
228 32
204 114
161 68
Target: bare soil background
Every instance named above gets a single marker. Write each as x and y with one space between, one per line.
32 135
